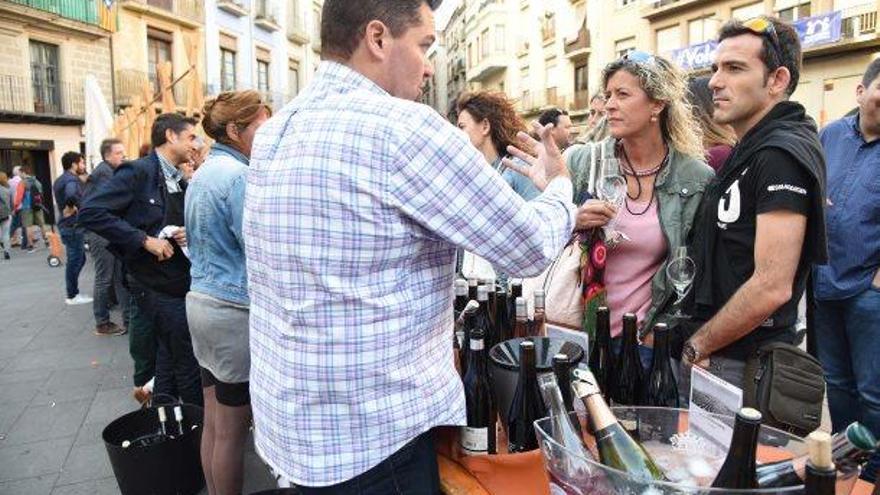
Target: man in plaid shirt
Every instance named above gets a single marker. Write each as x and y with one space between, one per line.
357 198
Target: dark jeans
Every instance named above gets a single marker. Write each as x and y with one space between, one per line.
16 224
76 258
177 371
412 470
108 277
848 343
141 336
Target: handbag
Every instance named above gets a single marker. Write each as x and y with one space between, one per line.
787 385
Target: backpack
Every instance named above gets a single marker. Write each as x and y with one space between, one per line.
35 189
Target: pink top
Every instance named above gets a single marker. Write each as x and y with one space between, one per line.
632 264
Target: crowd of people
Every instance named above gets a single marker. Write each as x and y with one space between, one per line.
299 276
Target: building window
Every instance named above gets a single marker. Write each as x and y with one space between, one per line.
550 74
293 81
227 70
701 30
158 51
668 39
316 19
44 77
622 47
794 12
548 26
580 78
262 76
500 38
747 12
484 44
470 55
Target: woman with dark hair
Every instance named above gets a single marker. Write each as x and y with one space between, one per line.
217 305
491 123
718 139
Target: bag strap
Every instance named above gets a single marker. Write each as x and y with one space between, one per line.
555 264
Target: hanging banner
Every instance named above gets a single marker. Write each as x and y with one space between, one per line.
695 56
819 29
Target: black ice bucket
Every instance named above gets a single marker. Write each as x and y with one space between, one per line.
171 466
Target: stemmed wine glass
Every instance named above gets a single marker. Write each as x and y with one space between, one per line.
612 189
681 271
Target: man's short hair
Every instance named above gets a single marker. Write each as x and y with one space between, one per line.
343 22
107 145
551 116
70 159
871 72
787 54
174 121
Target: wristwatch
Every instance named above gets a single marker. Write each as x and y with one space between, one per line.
690 354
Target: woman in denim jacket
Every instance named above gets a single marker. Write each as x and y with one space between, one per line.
657 145
217 304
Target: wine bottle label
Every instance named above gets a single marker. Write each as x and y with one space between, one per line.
474 441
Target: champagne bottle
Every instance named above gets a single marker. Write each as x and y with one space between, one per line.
850 448
738 470
538 322
564 429
484 320
661 389
821 474
521 322
478 437
616 448
526 406
562 372
601 360
503 324
628 389
472 289
461 296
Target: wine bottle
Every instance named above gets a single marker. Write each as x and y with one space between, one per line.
469 322
821 474
738 470
562 372
850 448
478 437
601 357
515 291
490 285
616 448
521 322
564 429
178 416
527 405
661 389
628 387
503 325
483 319
472 288
461 296
539 319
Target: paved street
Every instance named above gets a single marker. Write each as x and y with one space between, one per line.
60 385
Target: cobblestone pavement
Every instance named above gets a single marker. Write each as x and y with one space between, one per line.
60 385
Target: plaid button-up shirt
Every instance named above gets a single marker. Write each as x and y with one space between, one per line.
355 203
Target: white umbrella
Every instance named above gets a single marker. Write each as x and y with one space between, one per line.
99 121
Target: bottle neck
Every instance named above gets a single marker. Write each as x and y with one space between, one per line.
744 441
599 412
476 358
661 349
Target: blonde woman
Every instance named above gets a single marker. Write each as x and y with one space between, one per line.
658 149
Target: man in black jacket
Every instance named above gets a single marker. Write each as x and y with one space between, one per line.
139 211
762 220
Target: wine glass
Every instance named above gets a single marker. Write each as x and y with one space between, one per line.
681 271
612 189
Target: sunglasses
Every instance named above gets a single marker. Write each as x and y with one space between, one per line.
638 57
761 26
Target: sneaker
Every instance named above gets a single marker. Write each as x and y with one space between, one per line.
78 299
6 255
142 395
109 329
31 249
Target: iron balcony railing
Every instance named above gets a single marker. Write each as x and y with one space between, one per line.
22 95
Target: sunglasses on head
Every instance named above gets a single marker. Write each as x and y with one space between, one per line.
761 26
638 57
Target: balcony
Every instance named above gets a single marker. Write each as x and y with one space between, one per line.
266 16
296 30
487 67
21 100
660 8
234 7
83 11
581 101
531 104
190 13
858 30
578 47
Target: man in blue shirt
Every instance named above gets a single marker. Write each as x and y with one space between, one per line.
847 288
68 191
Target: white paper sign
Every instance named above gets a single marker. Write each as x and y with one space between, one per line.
712 395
